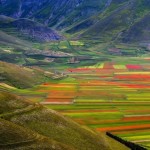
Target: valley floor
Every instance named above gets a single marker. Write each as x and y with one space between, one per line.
105 97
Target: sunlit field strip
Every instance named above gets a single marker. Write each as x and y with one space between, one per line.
109 89
86 74
139 98
119 67
131 133
127 127
111 121
99 65
137 137
138 113
90 101
96 115
128 91
142 109
76 43
126 106
104 118
130 73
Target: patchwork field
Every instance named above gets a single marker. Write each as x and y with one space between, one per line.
106 97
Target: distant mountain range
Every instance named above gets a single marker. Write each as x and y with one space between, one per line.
60 13
125 21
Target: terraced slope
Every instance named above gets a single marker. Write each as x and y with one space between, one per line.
49 129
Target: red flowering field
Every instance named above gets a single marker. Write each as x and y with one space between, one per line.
137 77
134 67
123 128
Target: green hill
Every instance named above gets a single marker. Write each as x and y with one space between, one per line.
35 126
22 77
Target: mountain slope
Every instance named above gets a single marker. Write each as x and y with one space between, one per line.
34 118
140 31
105 16
52 12
116 22
28 28
13 41
107 20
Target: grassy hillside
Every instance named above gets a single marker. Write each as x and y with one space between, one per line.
16 137
22 77
6 39
48 128
138 32
85 10
95 19
119 18
12 47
